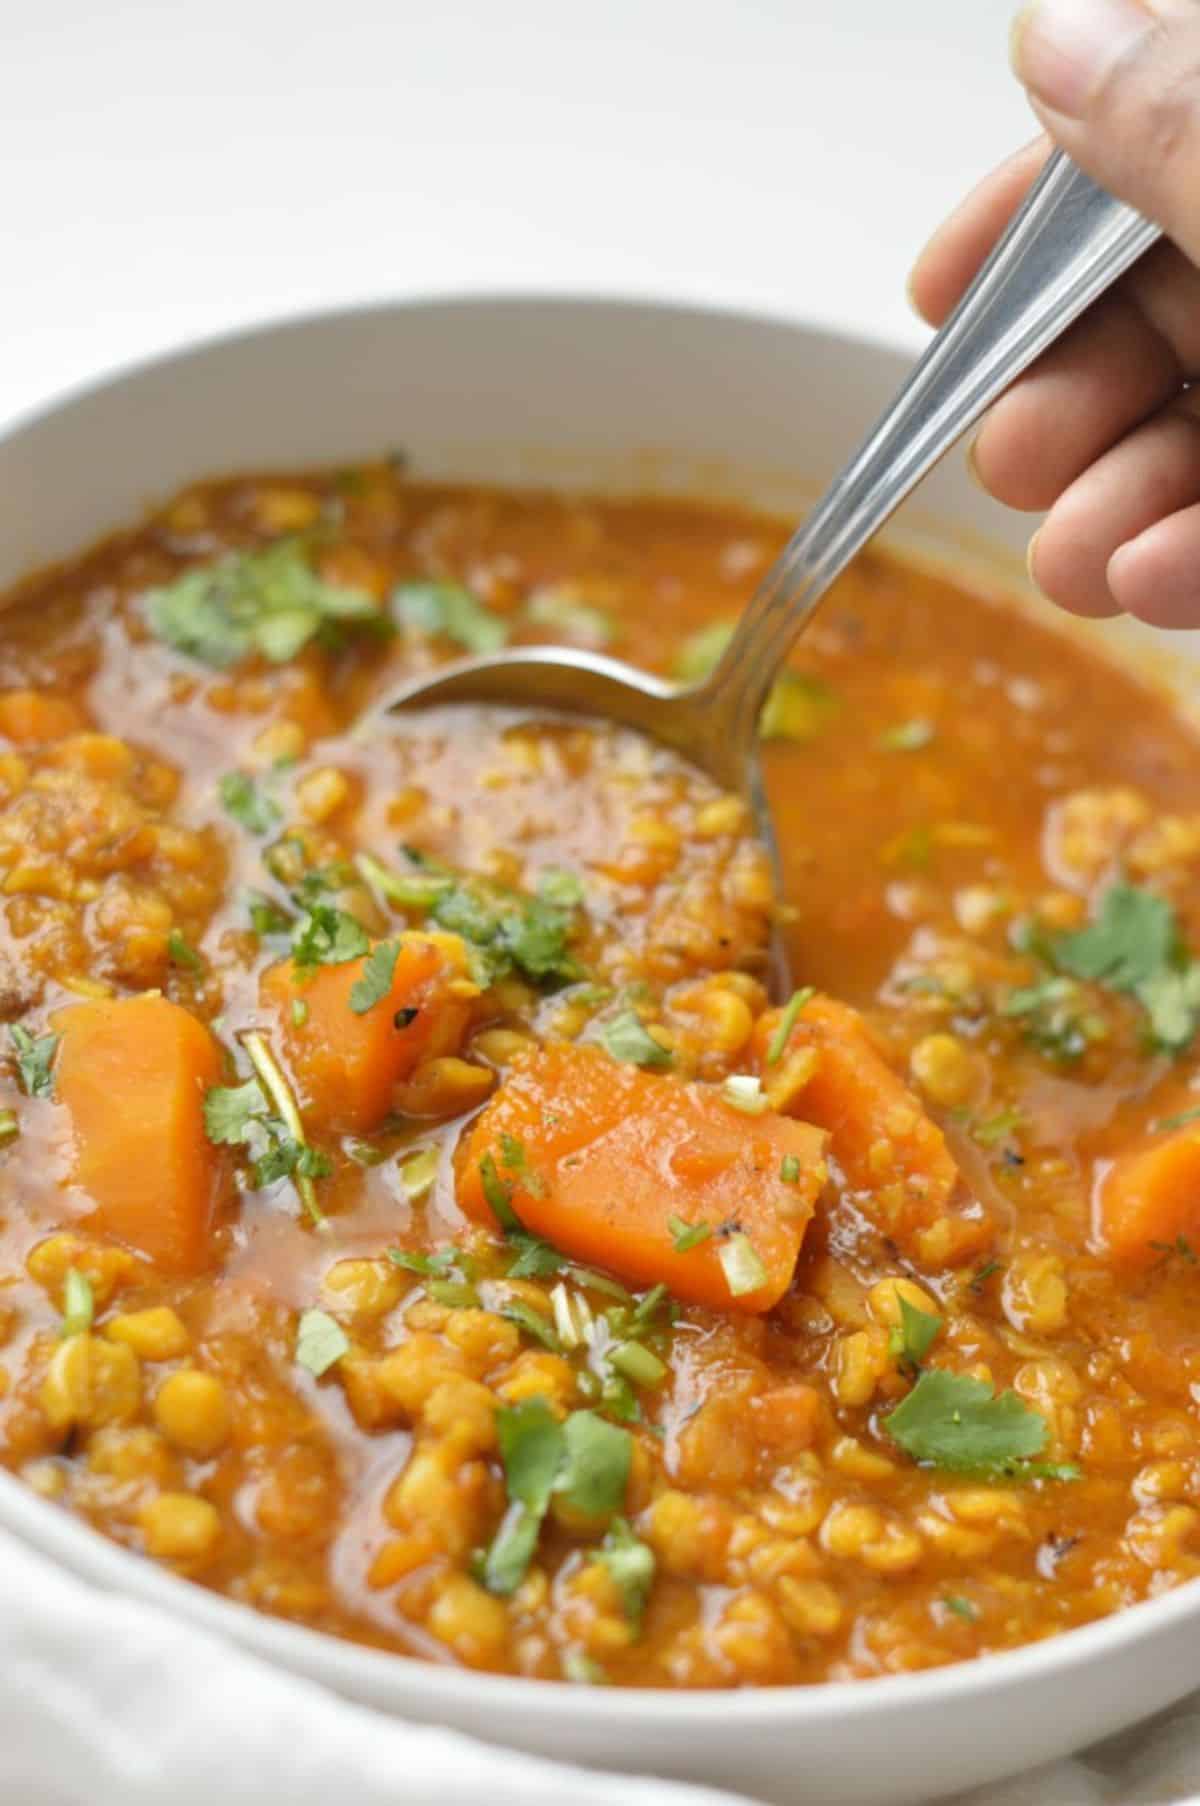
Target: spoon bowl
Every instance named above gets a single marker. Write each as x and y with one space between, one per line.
1066 245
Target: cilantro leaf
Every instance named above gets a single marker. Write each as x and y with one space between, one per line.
376 980
685 1235
1054 1018
1132 939
1134 945
536 1259
515 1310
787 1022
560 888
35 1060
447 608
957 1423
249 805
268 601
181 953
508 930
595 1466
912 1338
325 936
627 1040
631 1564
229 1111
78 1303
532 1442
564 614
320 1342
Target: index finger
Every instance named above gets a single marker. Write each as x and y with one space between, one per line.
961 243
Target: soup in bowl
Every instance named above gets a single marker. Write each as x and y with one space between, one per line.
422 1221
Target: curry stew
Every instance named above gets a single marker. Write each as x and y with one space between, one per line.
416 1218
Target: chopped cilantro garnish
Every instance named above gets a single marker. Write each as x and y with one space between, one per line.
431 1266
299 1012
962 1608
229 1110
418 1171
685 1235
995 1129
787 1022
631 1564
79 1306
585 1459
638 1363
1180 1246
1055 1019
248 803
595 1466
536 1259
262 1116
1165 1123
1134 945
498 1195
988 1271
325 936
181 953
508 931
377 976
957 1423
560 888
531 1449
35 1060
574 620
320 1342
582 1670
267 919
789 1169
533 1323
363 1153
269 602
742 1264
515 1161
10 1128
906 736
911 1339
409 890
432 608
626 1039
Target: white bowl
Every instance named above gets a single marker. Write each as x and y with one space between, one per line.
618 396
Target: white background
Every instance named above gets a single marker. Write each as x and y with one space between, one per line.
172 170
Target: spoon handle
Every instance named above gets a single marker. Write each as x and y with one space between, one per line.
1066 245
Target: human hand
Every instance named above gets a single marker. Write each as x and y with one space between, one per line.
1103 432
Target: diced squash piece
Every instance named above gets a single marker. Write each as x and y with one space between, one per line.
598 1155
880 1134
28 716
1148 1197
345 1063
132 1073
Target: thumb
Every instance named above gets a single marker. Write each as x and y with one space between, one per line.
1117 85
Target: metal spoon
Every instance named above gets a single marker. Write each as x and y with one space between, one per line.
1066 245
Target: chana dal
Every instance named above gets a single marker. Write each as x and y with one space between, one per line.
417 1218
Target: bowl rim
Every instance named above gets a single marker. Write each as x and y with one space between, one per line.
384 1678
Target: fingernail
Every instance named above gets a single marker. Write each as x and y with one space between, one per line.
1063 49
1030 556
